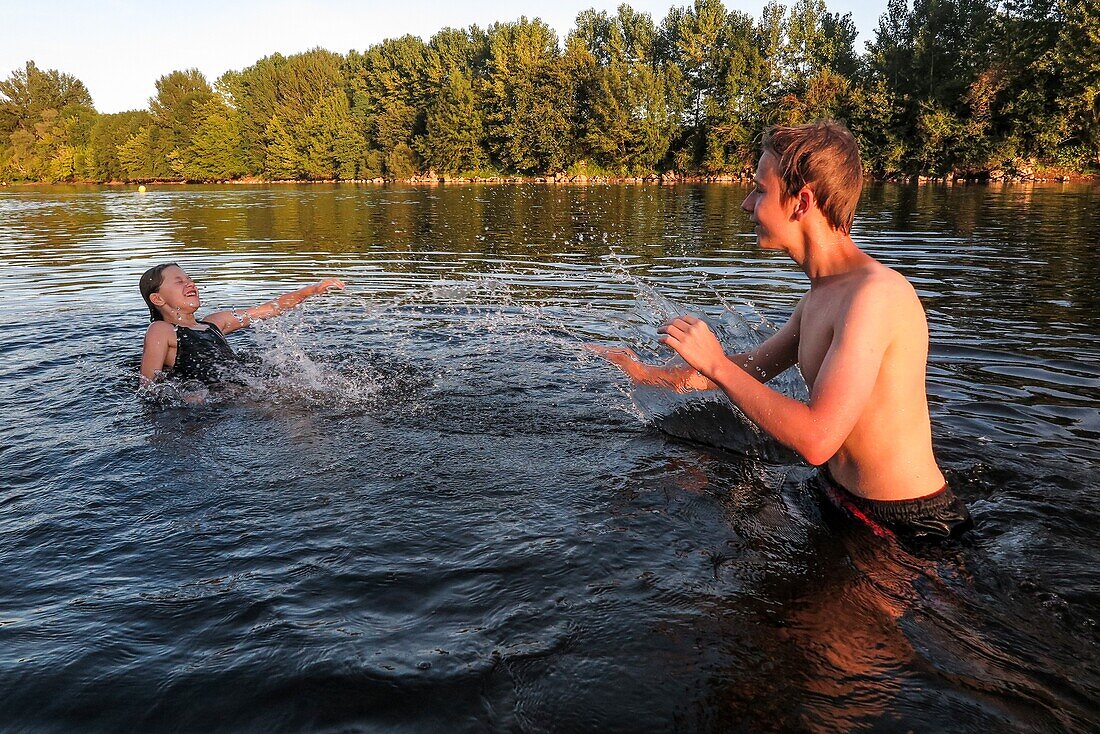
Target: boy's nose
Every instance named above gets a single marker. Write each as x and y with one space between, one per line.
745 204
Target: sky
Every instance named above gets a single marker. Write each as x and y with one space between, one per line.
119 48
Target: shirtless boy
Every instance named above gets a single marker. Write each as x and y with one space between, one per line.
859 337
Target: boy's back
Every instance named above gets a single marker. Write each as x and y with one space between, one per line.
888 453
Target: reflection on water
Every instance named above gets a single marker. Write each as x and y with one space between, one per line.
424 506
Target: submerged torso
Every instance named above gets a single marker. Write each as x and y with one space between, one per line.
201 354
888 454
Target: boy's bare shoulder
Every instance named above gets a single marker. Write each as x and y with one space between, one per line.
885 286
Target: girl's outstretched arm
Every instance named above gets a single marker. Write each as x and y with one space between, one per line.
229 321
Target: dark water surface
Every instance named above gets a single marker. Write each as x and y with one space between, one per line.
429 509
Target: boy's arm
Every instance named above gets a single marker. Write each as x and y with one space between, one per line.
778 353
843 386
155 351
681 378
229 321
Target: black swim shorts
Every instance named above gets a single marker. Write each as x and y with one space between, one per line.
938 516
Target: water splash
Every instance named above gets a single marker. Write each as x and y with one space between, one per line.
488 321
701 416
166 392
389 351
291 363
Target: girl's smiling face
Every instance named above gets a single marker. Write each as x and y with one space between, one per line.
177 292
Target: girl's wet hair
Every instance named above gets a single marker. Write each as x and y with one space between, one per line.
149 284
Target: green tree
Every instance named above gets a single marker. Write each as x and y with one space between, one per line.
454 136
331 142
455 133
286 87
138 156
391 85
70 145
45 120
175 108
107 134
811 62
938 134
457 48
884 116
528 99
602 123
284 158
29 91
401 161
934 64
817 40
56 148
945 86
214 149
724 77
624 122
1023 108
1078 55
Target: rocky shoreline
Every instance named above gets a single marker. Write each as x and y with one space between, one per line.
430 178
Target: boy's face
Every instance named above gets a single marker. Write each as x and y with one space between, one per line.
177 292
772 216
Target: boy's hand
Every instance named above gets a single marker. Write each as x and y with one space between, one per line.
328 284
621 357
681 378
692 339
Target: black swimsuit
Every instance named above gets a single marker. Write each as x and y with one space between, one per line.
938 516
201 354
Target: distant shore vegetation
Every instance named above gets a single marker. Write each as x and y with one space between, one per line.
974 89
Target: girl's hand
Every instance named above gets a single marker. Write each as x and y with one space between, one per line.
692 339
328 284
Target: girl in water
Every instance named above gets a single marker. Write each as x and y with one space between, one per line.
187 349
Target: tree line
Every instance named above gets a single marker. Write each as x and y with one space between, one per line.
945 88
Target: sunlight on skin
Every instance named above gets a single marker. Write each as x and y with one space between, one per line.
858 346
178 299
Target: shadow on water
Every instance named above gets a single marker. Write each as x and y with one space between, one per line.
422 505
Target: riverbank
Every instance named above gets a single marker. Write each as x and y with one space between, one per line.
985 177
561 181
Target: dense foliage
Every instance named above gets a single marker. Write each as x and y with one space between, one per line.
946 87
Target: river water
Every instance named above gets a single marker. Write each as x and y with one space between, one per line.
428 508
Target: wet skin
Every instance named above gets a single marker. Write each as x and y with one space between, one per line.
177 299
859 337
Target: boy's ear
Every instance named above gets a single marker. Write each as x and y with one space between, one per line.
156 299
804 202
